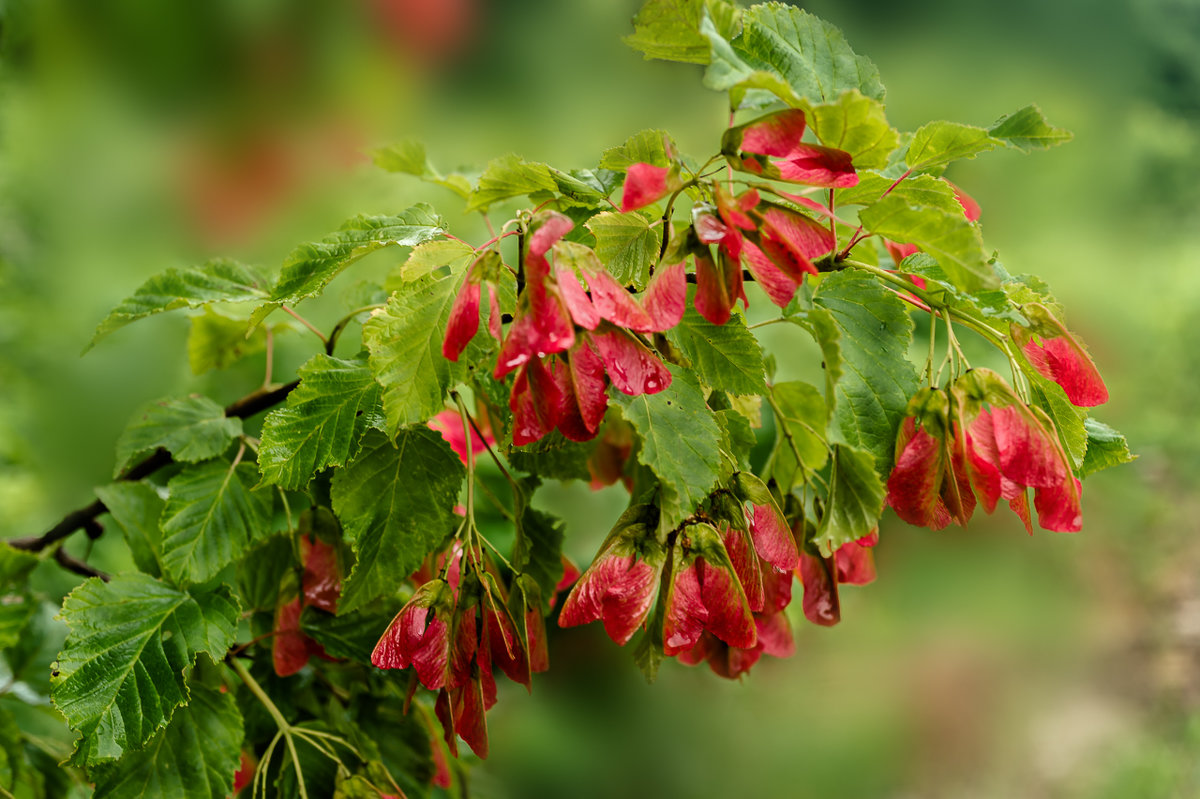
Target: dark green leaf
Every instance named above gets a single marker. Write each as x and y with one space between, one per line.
405 342
856 124
553 457
800 448
260 572
855 500
1105 448
627 244
601 182
944 234
678 434
121 673
212 515
509 176
216 341
809 54
347 635
400 736
137 508
219 280
310 267
195 757
537 548
1028 130
572 187
316 768
395 502
723 356
877 380
12 754
324 421
191 428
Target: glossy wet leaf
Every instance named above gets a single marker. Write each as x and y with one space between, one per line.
193 758
122 670
323 422
212 515
137 509
725 356
405 344
507 177
191 428
1105 448
218 280
875 385
678 434
347 635
395 501
310 267
627 245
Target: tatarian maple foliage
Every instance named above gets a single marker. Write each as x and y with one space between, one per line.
384 517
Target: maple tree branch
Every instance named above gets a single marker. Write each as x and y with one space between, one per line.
73 564
249 405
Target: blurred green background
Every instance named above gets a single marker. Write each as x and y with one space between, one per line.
136 136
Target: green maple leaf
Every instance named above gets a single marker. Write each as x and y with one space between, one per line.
195 757
679 436
191 428
212 515
395 501
122 670
323 422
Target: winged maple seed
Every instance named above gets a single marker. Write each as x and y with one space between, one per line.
454 629
773 146
979 437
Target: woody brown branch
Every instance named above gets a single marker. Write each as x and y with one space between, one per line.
243 408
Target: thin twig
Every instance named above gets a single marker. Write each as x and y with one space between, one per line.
305 322
249 405
77 566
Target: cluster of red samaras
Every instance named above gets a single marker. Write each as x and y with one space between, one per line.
729 585
729 580
576 329
977 441
456 627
